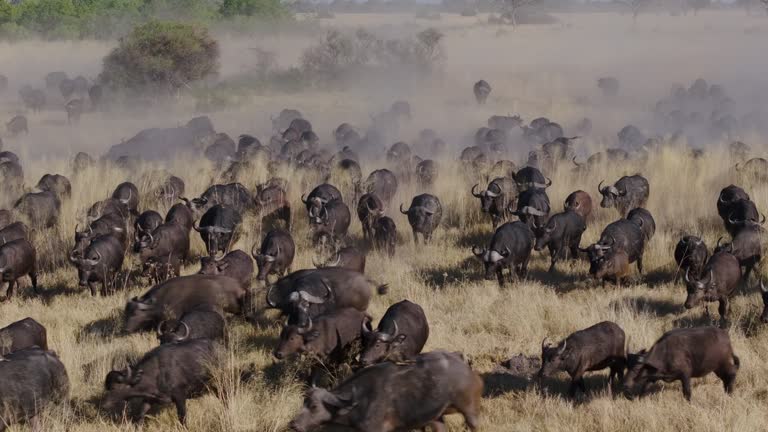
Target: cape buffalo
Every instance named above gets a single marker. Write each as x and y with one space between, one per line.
510 247
424 216
55 183
369 208
481 89
204 322
219 228
350 258
17 259
627 193
236 264
691 254
562 235
719 281
275 254
497 199
385 235
580 202
42 209
383 184
401 334
23 334
100 262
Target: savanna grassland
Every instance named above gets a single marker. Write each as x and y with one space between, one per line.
535 71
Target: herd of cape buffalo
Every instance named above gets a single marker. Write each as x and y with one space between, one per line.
390 384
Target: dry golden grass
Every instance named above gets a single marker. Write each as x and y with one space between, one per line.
535 71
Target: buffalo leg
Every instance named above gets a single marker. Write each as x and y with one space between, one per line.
33 277
640 265
9 293
92 287
747 270
553 260
686 380
500 276
722 308
180 401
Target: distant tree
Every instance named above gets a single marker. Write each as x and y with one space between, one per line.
161 55
636 6
511 9
258 8
697 5
765 4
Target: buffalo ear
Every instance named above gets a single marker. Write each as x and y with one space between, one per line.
314 334
399 339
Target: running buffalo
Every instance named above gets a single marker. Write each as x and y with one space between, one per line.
562 235
424 216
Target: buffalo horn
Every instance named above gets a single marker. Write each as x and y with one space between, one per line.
763 288
562 350
186 331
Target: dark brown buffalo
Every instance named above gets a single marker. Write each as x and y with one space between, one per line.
55 183
613 266
42 209
385 235
331 221
592 349
424 216
319 197
14 231
742 213
170 373
498 199
580 202
729 195
313 292
329 339
109 206
23 334
33 379
17 259
682 354
233 195
350 258
369 208
180 215
175 297
100 263
128 194
401 335
622 235
275 254
481 89
531 178
390 397
219 228
110 224
562 235
532 208
162 251
510 247
627 193
236 264
204 322
691 255
644 220
718 282
147 222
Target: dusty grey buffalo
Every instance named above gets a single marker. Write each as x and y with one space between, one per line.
33 379
13 231
275 254
55 183
427 172
99 263
42 209
401 334
204 322
162 251
17 125
424 216
691 255
562 235
511 248
23 334
369 208
627 193
331 221
482 90
385 235
595 348
128 194
219 228
644 220
233 195
6 218
349 257
383 184
171 189
236 264
682 354
175 297
309 293
170 373
390 397
17 259
718 282
497 199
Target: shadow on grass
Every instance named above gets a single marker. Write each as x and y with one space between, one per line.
469 270
47 294
108 327
655 307
474 238
659 277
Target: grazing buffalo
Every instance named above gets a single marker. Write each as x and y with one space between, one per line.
170 373
729 195
740 213
17 125
532 208
17 259
401 335
162 251
204 322
385 235
310 293
383 184
331 221
644 220
481 89
100 262
218 228
33 379
369 208
510 247
350 258
497 199
14 231
746 246
275 255
236 264
233 195
562 235
592 349
329 339
42 209
682 354
128 194
175 297
691 255
390 397
23 334
147 222
627 193
622 235
424 216
580 202
55 183
531 178
719 281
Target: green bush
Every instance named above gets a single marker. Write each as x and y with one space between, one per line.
258 8
161 55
